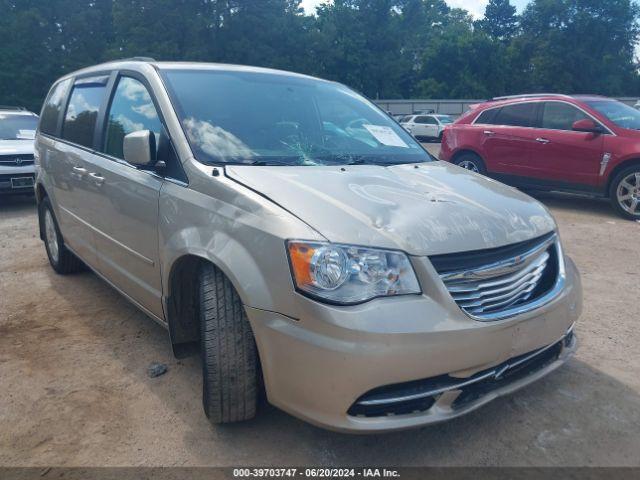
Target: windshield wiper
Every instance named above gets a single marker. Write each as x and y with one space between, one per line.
363 160
265 162
356 161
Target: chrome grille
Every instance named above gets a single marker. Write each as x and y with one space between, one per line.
511 280
16 160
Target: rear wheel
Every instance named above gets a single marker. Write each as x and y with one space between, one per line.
472 162
625 193
60 258
229 355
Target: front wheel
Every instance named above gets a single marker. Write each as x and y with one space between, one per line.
472 162
625 193
229 354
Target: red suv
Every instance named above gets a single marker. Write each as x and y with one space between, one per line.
585 144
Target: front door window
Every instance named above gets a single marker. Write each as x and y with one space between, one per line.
131 110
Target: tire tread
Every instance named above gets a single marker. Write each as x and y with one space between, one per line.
229 356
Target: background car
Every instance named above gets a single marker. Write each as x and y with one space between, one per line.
426 127
17 133
585 144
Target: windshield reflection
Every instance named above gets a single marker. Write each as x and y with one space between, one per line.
271 118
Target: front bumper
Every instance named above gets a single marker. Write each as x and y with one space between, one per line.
319 366
12 177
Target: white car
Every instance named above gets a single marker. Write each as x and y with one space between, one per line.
17 134
426 127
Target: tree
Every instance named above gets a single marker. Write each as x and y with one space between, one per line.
463 63
500 20
580 46
40 41
269 33
162 29
349 52
383 48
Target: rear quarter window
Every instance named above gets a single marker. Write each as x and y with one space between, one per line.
82 113
487 117
52 107
518 115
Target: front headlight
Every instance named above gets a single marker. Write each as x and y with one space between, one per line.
348 274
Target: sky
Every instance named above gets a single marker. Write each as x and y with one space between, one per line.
475 7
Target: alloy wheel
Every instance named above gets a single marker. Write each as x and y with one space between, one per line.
628 193
469 165
51 236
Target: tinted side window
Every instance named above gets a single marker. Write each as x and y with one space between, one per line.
131 110
424 120
52 107
487 117
560 116
82 113
520 115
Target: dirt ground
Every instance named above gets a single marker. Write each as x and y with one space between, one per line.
74 389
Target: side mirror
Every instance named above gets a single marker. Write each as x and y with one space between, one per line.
139 148
586 125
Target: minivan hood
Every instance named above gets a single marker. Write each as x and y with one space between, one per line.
16 147
423 209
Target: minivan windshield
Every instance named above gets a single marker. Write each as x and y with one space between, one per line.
619 113
264 118
17 126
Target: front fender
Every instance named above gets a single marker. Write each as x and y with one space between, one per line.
226 253
239 231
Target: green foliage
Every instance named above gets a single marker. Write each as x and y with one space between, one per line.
500 20
383 48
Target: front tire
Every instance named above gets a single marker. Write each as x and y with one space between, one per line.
228 349
472 162
61 259
625 193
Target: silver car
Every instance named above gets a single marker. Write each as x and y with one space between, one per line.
17 133
363 284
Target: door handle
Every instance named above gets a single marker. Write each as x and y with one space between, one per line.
78 172
97 179
489 132
542 140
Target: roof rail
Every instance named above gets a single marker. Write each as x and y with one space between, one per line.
136 59
130 59
9 107
530 95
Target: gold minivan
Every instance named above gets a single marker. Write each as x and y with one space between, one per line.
299 240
